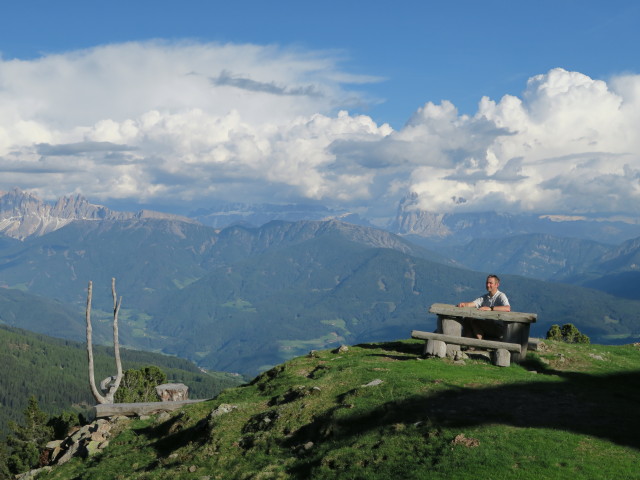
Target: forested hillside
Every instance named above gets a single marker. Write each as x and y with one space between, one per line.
55 372
243 299
33 312
328 291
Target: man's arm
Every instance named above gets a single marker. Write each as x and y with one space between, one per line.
466 304
498 308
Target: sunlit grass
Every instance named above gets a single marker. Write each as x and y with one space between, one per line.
381 411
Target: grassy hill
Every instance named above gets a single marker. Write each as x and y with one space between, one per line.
380 411
55 372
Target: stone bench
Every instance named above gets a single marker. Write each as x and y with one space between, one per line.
514 328
437 344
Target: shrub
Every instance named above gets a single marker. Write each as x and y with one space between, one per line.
61 424
554 333
567 333
140 385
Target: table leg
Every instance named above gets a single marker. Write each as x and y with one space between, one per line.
518 333
450 326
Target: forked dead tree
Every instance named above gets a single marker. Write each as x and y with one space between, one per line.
114 382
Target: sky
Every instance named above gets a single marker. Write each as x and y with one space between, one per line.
509 106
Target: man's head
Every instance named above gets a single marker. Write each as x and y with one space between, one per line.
493 282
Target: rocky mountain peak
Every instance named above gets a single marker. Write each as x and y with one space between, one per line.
411 220
23 215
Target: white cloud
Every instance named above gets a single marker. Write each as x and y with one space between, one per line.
570 138
187 123
184 120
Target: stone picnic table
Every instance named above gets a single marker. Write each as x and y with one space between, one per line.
514 326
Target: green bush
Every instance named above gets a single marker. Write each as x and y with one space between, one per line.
568 333
61 424
140 385
554 333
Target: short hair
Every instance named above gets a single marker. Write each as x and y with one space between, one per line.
494 276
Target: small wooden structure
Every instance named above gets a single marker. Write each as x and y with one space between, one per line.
514 328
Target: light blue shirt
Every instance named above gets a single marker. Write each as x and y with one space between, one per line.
498 300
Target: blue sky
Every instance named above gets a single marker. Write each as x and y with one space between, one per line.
383 62
421 50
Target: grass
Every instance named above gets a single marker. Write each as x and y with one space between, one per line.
338 323
240 304
381 411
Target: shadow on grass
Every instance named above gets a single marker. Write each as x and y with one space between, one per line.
173 433
604 406
402 347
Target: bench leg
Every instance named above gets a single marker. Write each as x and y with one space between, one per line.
435 348
453 327
501 357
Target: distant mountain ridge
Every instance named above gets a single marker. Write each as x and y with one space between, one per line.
431 228
255 215
541 256
23 215
243 298
611 269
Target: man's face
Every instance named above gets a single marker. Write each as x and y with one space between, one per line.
492 285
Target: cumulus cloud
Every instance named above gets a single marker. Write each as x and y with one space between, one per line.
191 123
568 145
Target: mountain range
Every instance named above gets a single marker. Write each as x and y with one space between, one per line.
459 228
23 215
243 298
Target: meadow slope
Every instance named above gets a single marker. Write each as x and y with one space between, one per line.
382 411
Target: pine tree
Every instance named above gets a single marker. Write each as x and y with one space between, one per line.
27 441
5 474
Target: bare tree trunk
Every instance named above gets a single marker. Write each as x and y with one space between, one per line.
99 398
116 342
108 398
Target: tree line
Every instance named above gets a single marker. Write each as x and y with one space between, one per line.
54 371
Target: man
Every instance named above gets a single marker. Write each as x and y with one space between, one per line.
494 300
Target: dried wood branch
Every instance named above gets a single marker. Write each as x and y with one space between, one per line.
108 398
